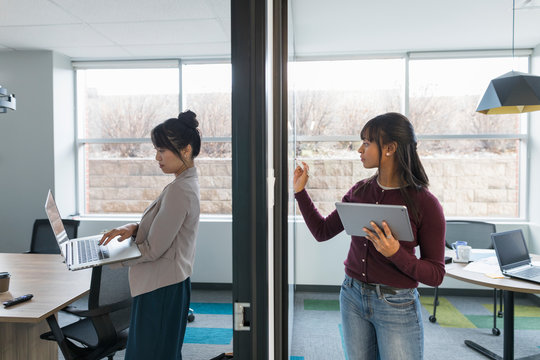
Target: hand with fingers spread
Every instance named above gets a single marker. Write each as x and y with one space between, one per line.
300 177
124 232
382 239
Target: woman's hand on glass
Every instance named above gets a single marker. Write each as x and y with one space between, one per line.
300 177
123 233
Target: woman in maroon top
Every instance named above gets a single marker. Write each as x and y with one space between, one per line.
380 308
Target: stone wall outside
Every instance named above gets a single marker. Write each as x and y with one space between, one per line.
488 187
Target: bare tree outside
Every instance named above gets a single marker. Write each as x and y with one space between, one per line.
214 114
489 187
131 117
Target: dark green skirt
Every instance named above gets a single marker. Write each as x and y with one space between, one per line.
158 323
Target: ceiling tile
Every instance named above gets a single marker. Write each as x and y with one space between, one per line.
195 50
48 37
106 11
32 12
93 52
163 28
169 32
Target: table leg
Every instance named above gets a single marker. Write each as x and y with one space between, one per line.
508 336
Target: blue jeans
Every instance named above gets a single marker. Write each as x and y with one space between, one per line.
380 326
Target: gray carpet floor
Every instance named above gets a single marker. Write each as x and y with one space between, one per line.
316 334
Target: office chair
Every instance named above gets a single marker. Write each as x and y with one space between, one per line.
477 234
104 324
43 239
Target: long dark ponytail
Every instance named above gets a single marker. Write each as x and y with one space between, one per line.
395 127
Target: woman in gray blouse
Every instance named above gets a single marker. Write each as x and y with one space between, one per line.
160 279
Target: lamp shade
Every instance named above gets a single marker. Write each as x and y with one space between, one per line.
511 93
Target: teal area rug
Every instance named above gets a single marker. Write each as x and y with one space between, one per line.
212 336
209 335
212 308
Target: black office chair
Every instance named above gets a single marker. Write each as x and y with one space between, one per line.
43 239
477 234
104 324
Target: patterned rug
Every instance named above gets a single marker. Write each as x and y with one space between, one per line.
525 317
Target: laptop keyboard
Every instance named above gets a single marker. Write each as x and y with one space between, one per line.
530 273
89 250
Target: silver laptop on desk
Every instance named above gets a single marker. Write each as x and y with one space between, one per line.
85 252
513 256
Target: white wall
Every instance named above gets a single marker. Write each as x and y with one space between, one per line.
213 253
534 166
64 133
322 263
26 145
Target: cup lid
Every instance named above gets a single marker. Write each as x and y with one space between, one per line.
4 274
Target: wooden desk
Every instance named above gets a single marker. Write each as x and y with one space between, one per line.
457 271
53 286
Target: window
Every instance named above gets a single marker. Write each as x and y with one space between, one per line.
117 108
331 102
206 90
473 160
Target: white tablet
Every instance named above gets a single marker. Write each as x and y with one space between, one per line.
356 216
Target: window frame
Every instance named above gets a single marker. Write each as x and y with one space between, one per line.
522 136
80 142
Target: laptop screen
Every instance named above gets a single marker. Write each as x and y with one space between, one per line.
511 247
55 219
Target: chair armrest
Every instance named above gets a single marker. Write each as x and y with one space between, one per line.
102 310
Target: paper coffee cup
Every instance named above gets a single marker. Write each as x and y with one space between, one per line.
4 281
464 253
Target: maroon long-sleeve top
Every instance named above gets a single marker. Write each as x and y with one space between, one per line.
364 263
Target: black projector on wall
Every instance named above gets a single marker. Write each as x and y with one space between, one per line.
7 100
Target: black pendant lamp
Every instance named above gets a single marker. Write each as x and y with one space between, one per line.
513 92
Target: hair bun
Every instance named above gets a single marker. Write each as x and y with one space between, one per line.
189 119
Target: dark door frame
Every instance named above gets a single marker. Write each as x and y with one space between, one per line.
250 173
280 165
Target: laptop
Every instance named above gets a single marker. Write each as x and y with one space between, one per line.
85 252
513 256
356 216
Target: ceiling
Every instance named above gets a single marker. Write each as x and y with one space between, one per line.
154 29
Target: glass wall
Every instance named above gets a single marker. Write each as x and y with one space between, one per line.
472 160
